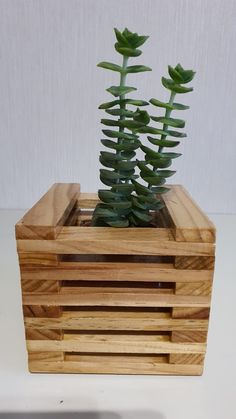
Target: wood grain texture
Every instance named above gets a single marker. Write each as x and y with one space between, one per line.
103 293
102 365
82 296
114 271
190 224
116 320
48 215
115 343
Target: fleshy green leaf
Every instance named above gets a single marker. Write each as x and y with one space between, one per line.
174 106
118 134
163 143
176 134
173 122
118 223
121 112
137 69
120 90
175 75
154 180
110 66
140 189
177 88
151 130
107 196
130 124
125 146
128 52
124 188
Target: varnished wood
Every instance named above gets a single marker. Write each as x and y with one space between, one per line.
190 224
116 320
145 306
103 366
115 343
116 272
47 216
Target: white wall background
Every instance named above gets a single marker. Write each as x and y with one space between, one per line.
50 89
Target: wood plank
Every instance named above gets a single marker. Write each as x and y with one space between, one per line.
102 366
88 200
43 334
112 271
46 217
189 336
115 343
34 286
190 312
46 356
193 288
187 359
92 240
116 320
41 311
190 224
102 297
30 259
193 262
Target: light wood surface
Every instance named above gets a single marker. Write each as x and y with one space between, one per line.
48 215
123 301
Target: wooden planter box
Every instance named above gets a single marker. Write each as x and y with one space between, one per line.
121 301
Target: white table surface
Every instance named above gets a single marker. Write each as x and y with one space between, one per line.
211 396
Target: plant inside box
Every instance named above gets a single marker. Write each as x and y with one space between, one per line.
128 202
132 300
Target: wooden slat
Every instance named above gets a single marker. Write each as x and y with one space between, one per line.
47 216
190 312
84 296
100 365
193 288
88 200
100 240
46 356
43 334
116 320
29 259
113 271
34 286
115 343
187 359
190 224
41 311
193 262
189 336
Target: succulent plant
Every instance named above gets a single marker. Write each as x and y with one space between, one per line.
155 168
128 202
115 208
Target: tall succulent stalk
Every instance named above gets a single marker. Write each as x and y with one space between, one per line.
116 207
151 169
128 202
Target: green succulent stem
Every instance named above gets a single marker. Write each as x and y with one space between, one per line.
167 115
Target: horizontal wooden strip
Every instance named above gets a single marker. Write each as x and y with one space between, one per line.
152 344
105 320
46 356
41 311
189 336
193 288
101 366
117 271
47 216
187 359
193 262
191 312
190 224
102 297
43 334
37 259
34 286
85 244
